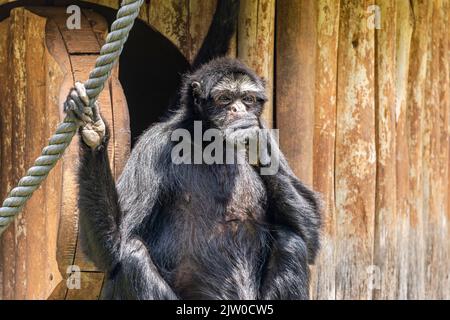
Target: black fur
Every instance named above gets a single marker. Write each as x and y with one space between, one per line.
222 29
196 231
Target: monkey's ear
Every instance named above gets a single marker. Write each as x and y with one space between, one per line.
196 88
196 92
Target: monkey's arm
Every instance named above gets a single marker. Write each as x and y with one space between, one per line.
294 205
294 211
109 237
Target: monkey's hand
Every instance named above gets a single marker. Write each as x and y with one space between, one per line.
92 125
256 141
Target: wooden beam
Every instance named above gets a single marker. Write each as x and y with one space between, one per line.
355 152
323 276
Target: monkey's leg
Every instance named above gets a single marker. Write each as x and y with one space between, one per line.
287 275
139 275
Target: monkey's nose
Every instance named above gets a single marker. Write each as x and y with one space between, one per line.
238 108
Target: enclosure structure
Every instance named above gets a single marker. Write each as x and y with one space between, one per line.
359 90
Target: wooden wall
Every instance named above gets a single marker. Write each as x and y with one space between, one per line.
363 113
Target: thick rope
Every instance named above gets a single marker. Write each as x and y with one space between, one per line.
58 143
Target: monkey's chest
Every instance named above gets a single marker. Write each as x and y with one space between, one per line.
216 225
220 197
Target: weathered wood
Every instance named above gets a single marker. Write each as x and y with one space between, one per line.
170 17
295 79
7 250
323 276
385 246
355 169
404 32
18 87
444 84
39 77
53 200
430 160
416 86
256 34
34 218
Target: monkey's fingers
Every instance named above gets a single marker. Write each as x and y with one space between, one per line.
96 112
93 133
82 93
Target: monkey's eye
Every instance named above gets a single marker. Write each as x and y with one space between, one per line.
249 99
223 99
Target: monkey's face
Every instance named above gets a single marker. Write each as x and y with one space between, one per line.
235 102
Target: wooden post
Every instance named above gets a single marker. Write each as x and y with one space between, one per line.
416 88
355 153
323 276
7 252
431 173
444 85
385 246
295 83
256 34
404 32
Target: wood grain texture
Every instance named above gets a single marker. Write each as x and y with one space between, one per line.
256 34
18 103
444 101
7 250
295 83
171 18
404 32
385 245
430 160
355 170
416 81
323 276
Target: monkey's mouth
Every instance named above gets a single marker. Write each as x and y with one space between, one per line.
243 124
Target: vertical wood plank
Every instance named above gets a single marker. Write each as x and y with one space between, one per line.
430 159
295 82
18 89
54 79
171 18
34 211
256 34
416 82
385 246
323 277
444 105
5 155
200 14
404 32
355 152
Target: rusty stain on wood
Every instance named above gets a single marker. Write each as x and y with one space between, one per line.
256 34
355 170
323 279
385 246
